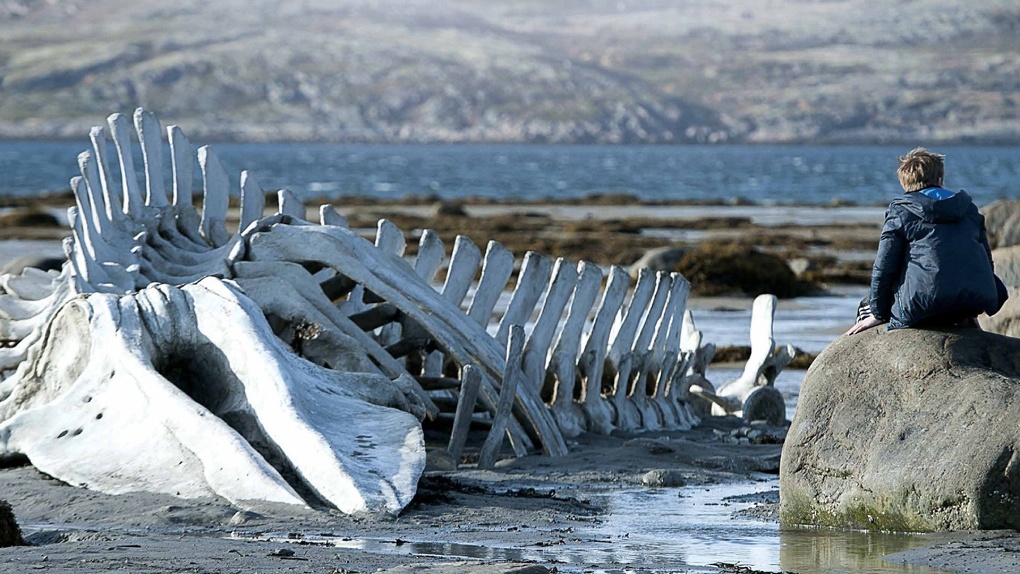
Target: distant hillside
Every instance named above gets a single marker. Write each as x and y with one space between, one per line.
655 71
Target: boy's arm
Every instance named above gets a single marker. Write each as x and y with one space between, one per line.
983 239
889 260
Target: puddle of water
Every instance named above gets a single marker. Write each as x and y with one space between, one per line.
660 530
840 552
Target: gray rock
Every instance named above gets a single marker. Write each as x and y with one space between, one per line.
664 478
658 259
1007 267
10 533
17 265
765 404
907 430
1007 264
1002 221
1007 320
243 517
439 460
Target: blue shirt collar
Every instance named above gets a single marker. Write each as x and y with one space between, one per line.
938 193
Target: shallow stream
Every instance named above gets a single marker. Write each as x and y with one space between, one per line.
671 530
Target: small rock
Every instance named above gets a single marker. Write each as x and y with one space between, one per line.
664 478
281 552
448 208
658 259
242 517
439 460
652 446
10 533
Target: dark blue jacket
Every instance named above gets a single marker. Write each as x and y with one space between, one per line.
933 260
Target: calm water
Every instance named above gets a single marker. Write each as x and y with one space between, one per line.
763 174
666 530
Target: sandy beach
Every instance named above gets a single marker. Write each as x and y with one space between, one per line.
619 503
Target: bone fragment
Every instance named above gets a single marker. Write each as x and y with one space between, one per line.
598 411
563 361
465 408
511 380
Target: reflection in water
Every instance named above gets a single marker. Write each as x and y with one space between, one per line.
839 552
663 529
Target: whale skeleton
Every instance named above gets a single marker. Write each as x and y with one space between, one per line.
294 361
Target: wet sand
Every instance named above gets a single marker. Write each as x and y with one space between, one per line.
533 514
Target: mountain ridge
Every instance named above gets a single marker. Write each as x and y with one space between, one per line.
521 71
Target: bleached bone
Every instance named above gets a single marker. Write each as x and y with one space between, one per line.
389 238
511 382
285 290
563 361
290 205
627 321
327 301
621 353
394 280
463 266
666 353
430 255
83 417
759 373
217 197
653 316
536 349
598 411
123 242
253 200
690 342
678 391
133 201
149 136
30 285
329 216
496 270
426 265
531 283
465 408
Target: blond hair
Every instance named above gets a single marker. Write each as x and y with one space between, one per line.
920 169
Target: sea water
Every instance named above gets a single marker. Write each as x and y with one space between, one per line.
663 530
814 175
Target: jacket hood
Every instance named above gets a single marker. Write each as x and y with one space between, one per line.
923 204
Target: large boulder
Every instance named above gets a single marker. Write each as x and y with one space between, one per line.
907 430
1007 267
1007 264
721 268
1002 221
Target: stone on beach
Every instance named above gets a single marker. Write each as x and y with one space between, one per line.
664 478
10 533
718 268
663 258
907 430
1007 267
1002 221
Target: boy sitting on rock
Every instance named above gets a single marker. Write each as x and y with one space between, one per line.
934 266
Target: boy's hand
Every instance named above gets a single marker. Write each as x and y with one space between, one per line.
864 325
